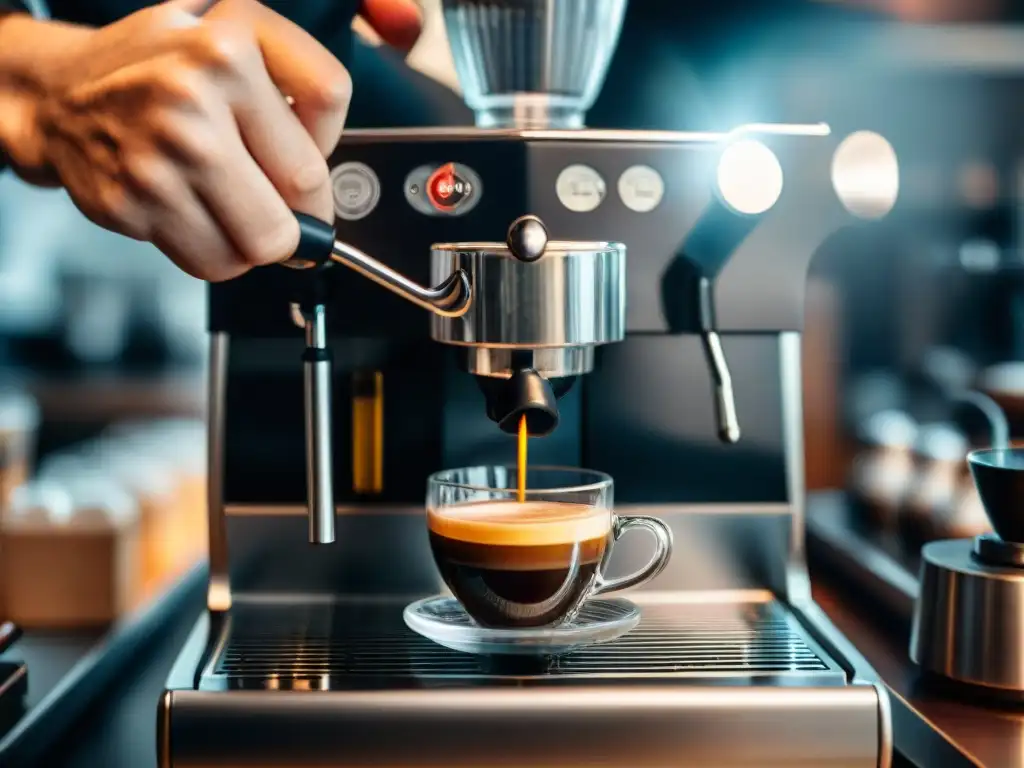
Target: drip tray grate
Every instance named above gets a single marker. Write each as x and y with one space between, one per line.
364 645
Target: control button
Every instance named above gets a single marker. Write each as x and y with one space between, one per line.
641 188
580 188
356 190
447 189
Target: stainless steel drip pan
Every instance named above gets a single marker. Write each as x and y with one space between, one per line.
346 684
353 646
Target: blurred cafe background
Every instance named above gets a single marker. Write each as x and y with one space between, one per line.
913 347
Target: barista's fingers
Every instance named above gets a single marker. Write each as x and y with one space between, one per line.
109 205
194 248
272 132
180 224
398 22
218 167
99 193
189 236
317 83
249 210
287 154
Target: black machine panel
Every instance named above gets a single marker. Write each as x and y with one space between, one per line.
645 414
649 421
394 231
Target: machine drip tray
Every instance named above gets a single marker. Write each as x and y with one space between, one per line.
347 685
366 646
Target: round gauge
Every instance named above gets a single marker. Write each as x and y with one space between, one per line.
356 190
580 188
641 188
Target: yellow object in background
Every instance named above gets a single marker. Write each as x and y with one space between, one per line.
368 432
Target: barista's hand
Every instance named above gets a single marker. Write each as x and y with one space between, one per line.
170 126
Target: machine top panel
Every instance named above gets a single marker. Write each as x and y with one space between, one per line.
468 133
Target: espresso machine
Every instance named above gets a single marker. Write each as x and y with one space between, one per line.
638 297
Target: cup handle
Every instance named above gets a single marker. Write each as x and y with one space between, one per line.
663 551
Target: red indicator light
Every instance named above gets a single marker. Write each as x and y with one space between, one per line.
446 189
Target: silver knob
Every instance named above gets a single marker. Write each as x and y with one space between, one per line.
527 238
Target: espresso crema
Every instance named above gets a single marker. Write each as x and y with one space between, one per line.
517 564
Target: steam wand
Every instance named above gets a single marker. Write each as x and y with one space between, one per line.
691 275
318 250
317 378
725 401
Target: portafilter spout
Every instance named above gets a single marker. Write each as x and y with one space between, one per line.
540 309
317 250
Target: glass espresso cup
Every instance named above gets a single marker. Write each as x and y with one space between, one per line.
532 562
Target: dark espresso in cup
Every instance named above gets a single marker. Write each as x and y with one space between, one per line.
515 564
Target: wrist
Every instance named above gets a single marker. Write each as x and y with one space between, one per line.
29 50
15 82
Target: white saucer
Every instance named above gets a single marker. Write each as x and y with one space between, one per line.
444 620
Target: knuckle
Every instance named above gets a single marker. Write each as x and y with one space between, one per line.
144 173
273 245
228 47
305 181
185 86
162 16
332 92
190 142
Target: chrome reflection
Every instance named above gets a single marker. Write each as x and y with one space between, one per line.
749 177
866 175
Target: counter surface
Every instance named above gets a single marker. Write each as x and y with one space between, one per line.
875 615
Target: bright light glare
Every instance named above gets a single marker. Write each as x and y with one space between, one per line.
866 175
749 177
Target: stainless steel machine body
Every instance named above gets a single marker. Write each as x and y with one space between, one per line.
569 303
302 657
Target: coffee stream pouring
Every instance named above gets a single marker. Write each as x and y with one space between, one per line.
568 298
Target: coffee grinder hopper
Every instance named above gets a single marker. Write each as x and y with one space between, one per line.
532 64
969 617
